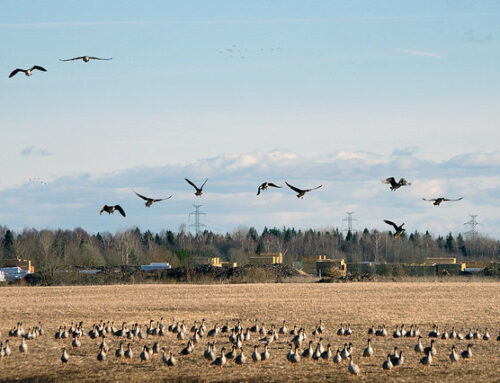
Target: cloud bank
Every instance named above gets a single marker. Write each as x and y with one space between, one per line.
350 179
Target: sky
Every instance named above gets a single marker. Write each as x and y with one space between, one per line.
338 93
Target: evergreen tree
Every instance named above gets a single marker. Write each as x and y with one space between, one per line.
8 245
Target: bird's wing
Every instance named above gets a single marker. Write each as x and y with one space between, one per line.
402 181
141 196
192 184
162 199
204 184
119 208
273 185
391 223
458 199
388 180
99 58
74 58
430 200
317 187
15 71
258 190
39 68
294 188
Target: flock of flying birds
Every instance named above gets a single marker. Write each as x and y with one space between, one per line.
110 209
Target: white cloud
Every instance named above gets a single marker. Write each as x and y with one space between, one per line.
34 151
419 53
351 181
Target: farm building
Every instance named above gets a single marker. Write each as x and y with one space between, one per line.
309 263
324 265
266 259
13 273
200 261
156 266
440 261
24 264
229 264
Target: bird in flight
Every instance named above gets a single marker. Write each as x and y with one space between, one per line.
399 229
86 58
111 209
438 201
199 191
301 192
265 185
395 185
27 72
150 201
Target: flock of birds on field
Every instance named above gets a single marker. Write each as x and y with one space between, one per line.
138 338
110 209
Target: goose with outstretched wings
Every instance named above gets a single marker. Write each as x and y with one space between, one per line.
301 192
150 201
395 185
27 72
86 58
399 229
265 185
199 190
440 200
111 209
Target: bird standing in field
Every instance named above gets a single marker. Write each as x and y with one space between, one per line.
301 192
395 185
353 368
86 58
440 200
454 357
64 356
199 190
150 201
23 347
27 72
265 185
399 229
111 209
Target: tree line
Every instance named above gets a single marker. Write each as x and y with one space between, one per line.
50 250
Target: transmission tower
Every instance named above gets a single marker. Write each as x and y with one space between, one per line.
472 226
197 214
349 220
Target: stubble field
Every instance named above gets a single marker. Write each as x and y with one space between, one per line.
459 304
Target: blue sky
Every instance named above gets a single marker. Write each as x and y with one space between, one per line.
195 81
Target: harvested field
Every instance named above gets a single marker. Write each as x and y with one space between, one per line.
459 304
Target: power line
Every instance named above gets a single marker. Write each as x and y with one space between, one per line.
472 226
349 220
197 214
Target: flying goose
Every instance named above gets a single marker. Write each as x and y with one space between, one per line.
86 58
199 191
150 201
265 185
395 185
438 201
301 192
111 209
27 72
399 229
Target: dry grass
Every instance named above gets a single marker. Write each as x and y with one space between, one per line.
362 304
